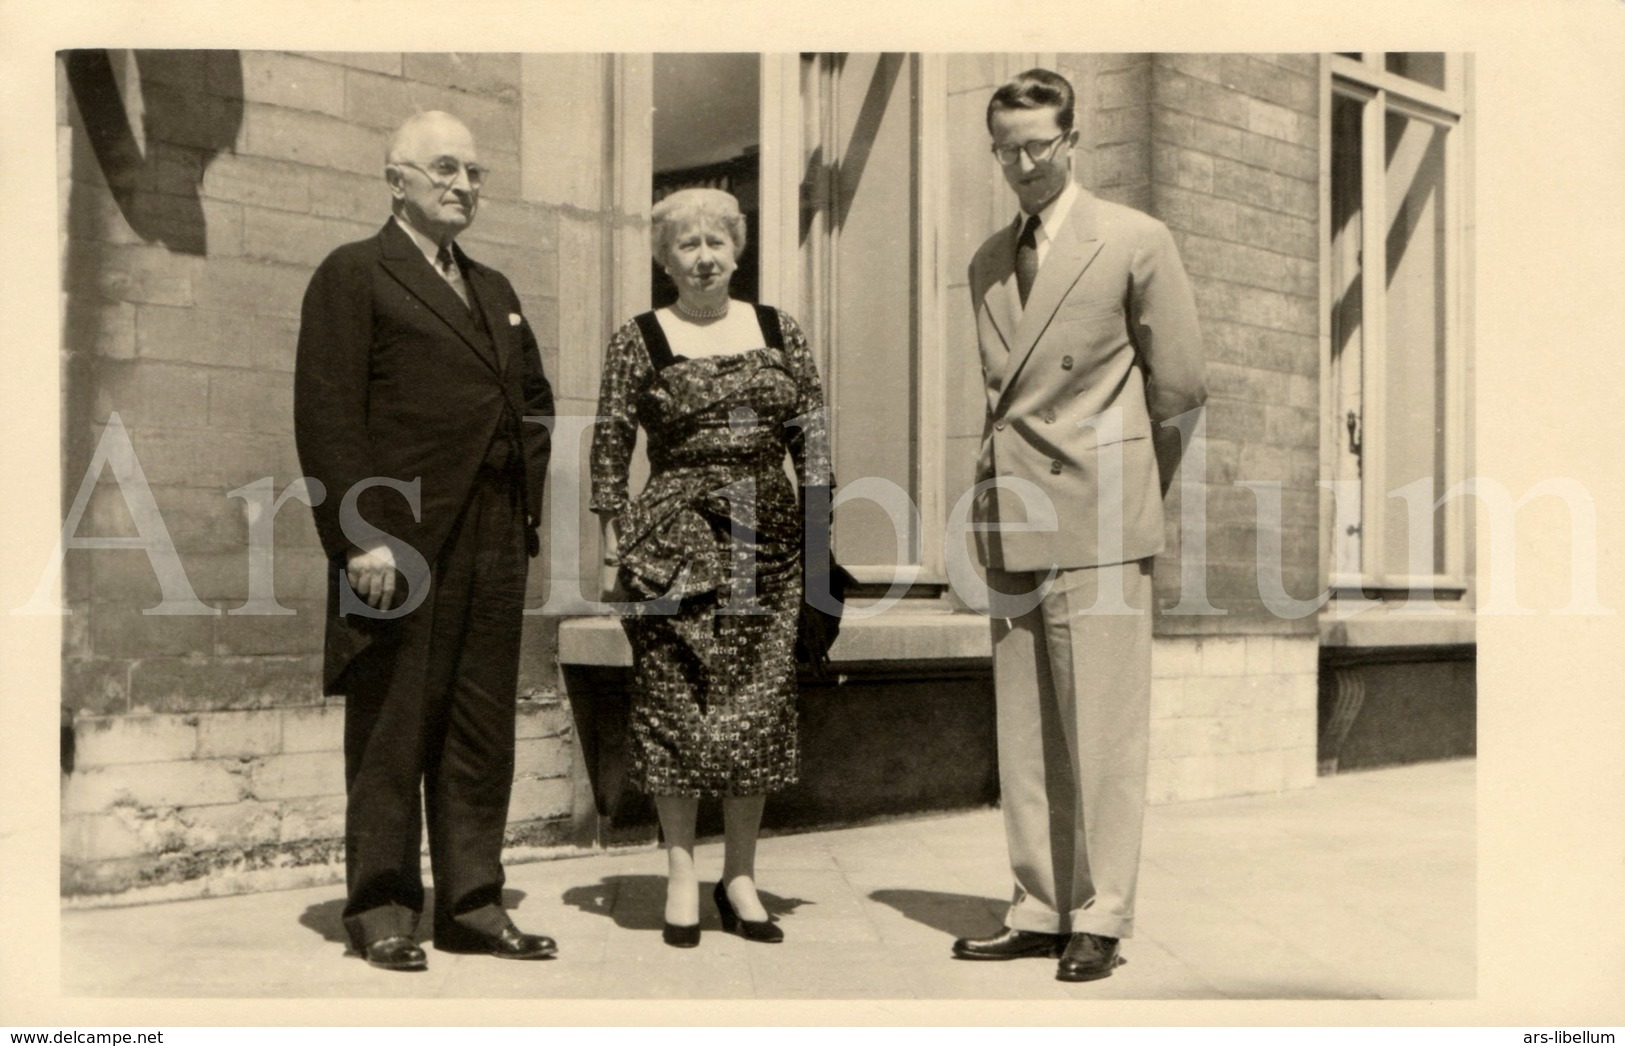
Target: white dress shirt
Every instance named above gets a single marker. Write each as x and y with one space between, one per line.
1050 218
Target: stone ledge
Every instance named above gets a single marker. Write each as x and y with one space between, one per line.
1375 629
926 634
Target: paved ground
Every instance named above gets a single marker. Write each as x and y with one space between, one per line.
1362 887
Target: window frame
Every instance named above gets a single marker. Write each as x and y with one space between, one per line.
1379 92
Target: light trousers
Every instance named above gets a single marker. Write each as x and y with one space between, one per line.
1073 699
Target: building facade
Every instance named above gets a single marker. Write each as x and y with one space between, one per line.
199 189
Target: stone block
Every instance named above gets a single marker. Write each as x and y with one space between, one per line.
121 630
1176 656
1292 234
236 734
1299 767
1183 168
101 741
378 62
151 785
1261 77
145 274
315 139
235 827
1292 426
298 775
1260 187
1167 697
1207 67
1278 121
105 329
317 728
250 290
1185 778
98 686
147 393
293 82
1224 656
540 797
539 719
258 182
384 102
1297 655
195 335
251 401
318 817
355 197
299 632
1186 736
95 837
475 71
1173 89
216 683
1125 87
297 239
1260 655
543 757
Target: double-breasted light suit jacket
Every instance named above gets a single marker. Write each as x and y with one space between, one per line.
1078 384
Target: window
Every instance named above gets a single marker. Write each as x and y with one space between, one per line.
1396 255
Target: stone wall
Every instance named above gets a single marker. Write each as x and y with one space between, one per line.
199 190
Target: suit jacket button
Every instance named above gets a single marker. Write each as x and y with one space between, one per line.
1055 468
1066 362
999 425
1049 415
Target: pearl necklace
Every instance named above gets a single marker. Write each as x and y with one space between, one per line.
714 313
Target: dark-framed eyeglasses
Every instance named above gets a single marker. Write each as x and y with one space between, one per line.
1037 150
443 171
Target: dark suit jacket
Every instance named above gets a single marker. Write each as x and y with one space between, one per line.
393 380
1106 348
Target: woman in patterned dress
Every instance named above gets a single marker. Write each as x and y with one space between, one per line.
710 551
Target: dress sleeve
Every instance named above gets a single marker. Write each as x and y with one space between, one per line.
807 433
626 368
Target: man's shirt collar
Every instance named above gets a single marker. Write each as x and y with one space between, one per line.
430 249
1053 213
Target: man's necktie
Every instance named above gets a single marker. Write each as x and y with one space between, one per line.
1027 258
446 265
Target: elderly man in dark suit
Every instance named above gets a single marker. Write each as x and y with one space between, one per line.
418 402
1088 337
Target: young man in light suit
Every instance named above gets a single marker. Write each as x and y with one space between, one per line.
1089 342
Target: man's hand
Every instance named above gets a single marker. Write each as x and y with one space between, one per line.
372 575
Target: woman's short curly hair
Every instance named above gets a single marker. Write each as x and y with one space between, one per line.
691 206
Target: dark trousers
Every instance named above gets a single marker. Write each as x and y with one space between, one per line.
429 727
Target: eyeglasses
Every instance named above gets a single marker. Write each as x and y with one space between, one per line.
1037 151
443 172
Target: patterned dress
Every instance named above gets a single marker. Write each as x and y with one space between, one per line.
712 546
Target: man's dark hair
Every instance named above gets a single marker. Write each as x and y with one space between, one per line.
1035 89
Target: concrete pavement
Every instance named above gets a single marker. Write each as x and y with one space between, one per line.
1362 887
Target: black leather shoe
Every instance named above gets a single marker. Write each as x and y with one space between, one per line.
507 943
764 932
1011 944
395 953
681 936
1088 957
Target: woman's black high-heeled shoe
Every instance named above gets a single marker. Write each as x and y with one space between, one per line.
681 936
764 932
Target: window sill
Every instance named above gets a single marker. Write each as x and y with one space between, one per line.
902 633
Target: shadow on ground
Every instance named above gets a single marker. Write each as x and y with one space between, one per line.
327 918
638 902
955 914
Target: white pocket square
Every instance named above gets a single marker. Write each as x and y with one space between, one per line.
514 319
